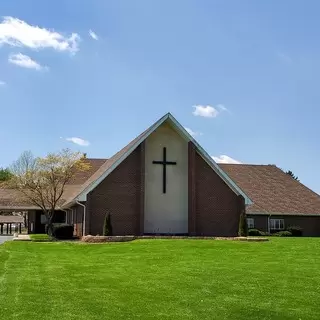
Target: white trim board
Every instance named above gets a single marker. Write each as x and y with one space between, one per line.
181 130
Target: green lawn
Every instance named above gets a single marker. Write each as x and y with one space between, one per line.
161 279
40 237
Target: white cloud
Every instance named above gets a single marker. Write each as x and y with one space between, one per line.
93 35
205 111
79 141
193 133
17 33
225 159
209 111
284 57
2 83
223 108
24 61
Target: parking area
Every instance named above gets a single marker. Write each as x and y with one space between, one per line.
5 238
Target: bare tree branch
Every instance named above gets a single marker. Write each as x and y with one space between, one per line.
42 181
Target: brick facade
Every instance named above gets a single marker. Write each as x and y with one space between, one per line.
213 211
122 195
217 207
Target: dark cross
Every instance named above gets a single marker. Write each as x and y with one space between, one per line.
164 163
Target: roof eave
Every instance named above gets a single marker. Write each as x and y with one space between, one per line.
284 214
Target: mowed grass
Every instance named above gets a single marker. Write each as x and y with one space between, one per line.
161 279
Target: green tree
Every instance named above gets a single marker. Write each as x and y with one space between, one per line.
291 174
5 174
107 227
243 227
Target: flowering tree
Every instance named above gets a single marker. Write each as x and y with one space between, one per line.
42 181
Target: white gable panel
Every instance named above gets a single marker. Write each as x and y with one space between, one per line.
166 212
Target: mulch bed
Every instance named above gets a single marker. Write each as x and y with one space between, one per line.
101 239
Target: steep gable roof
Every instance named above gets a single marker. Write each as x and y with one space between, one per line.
272 190
114 161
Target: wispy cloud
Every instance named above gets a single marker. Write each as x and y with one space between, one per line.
24 61
208 111
2 83
285 58
79 141
225 159
17 33
193 133
93 35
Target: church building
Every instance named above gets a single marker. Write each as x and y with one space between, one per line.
164 182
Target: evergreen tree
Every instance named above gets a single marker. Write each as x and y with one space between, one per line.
291 174
243 227
107 227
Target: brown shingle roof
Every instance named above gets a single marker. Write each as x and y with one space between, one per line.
272 190
11 219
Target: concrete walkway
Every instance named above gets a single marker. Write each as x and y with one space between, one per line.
5 238
21 237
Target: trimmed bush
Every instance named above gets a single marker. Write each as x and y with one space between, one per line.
254 232
107 227
62 231
295 230
282 234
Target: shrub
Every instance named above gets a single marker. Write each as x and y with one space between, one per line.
107 227
295 230
62 231
282 234
254 232
243 227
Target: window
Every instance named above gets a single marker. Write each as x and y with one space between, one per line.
43 219
250 223
276 224
59 217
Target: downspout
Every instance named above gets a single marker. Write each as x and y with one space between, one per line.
84 217
269 223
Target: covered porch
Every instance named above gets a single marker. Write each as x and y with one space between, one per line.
10 224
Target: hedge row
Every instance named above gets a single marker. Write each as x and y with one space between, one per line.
292 231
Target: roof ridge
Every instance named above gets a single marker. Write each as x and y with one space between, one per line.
107 167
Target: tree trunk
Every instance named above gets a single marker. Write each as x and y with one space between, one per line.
25 219
49 215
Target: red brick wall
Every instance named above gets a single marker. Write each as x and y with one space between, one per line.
217 207
310 225
76 218
122 195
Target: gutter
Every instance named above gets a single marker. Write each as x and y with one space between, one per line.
84 217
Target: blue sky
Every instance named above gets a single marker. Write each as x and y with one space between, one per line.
251 67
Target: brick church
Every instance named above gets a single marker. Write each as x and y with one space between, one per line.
164 182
